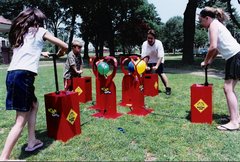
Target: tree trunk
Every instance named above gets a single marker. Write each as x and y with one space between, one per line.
56 35
101 45
230 11
111 45
71 31
123 49
189 31
85 55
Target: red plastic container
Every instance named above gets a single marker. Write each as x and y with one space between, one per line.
83 87
62 114
201 102
127 89
150 84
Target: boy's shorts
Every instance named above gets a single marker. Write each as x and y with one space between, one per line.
20 90
68 85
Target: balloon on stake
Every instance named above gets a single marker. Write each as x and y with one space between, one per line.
131 67
103 68
141 66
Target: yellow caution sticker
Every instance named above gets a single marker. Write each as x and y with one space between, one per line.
72 116
156 85
78 90
200 105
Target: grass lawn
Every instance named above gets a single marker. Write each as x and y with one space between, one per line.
165 134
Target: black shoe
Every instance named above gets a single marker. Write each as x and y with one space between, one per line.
168 90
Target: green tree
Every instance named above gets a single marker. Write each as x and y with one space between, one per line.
189 23
137 18
71 11
173 37
57 16
200 38
95 26
53 9
112 23
10 9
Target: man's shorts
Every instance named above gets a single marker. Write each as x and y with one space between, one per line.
159 70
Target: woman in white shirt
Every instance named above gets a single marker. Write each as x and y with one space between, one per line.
222 42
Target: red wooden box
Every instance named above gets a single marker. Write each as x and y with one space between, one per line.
83 87
201 103
150 84
62 115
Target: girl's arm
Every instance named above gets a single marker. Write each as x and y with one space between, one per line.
63 46
212 50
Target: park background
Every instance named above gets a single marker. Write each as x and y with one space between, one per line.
119 27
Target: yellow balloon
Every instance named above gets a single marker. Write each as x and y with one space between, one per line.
141 66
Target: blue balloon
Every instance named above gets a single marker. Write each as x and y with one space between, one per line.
131 67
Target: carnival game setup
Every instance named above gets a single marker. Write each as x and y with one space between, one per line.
132 85
62 107
106 101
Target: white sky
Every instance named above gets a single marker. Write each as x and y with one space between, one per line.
170 8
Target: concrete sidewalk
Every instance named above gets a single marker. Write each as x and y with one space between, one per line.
211 72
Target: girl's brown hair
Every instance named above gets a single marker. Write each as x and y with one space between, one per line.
31 17
214 13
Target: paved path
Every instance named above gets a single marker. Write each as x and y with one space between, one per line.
211 72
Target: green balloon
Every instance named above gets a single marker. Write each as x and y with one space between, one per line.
103 68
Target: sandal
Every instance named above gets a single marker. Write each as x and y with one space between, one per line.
37 145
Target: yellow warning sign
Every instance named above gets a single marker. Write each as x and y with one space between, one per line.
72 116
156 85
78 90
200 105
